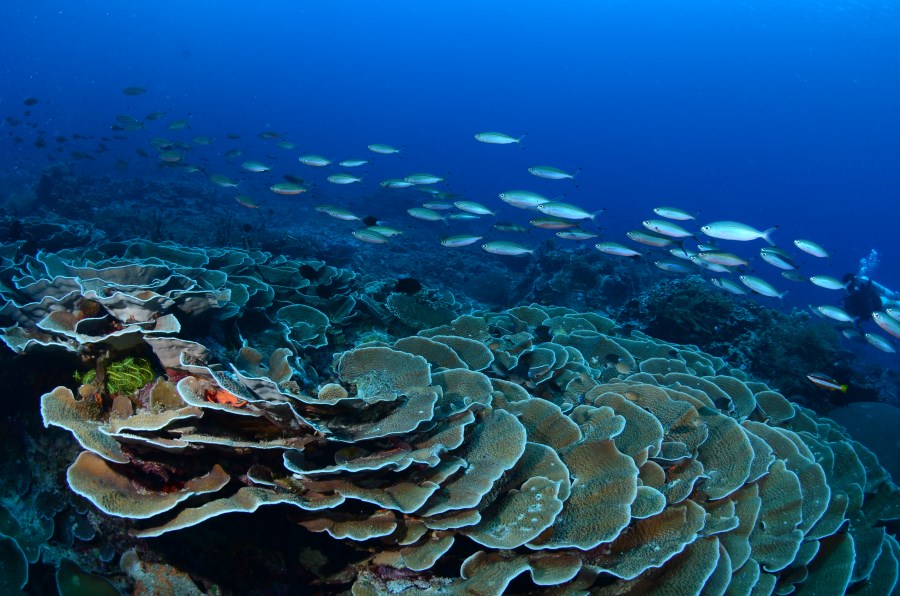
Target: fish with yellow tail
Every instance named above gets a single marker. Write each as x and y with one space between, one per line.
826 382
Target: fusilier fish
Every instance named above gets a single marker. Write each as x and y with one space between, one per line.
827 282
353 163
551 173
566 211
725 259
575 235
880 342
672 267
223 181
460 240
523 199
673 213
497 138
438 205
777 258
425 214
552 223
888 323
794 276
834 312
473 207
666 228
382 148
728 285
733 230
680 253
337 212
287 188
715 268
423 179
314 160
852 334
367 235
613 248
395 183
246 201
255 166
385 231
649 239
170 156
343 179
811 248
761 286
510 227
503 247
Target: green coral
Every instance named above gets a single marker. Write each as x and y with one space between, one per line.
128 375
123 376
85 378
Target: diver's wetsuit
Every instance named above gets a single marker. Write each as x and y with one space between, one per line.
865 296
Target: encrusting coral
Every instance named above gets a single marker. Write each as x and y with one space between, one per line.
536 443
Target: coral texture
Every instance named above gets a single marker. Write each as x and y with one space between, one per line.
538 441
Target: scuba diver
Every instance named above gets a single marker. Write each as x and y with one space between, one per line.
865 296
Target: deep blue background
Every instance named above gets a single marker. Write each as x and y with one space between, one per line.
772 113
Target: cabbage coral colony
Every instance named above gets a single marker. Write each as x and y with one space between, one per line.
538 444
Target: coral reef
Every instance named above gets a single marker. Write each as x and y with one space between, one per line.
452 451
765 342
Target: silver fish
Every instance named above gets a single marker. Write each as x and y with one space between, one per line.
734 230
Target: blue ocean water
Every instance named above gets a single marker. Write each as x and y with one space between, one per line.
770 113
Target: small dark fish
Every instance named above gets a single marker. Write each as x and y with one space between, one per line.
81 155
408 285
141 152
40 143
79 137
13 121
232 136
294 179
121 165
133 91
270 136
26 113
31 101
61 139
